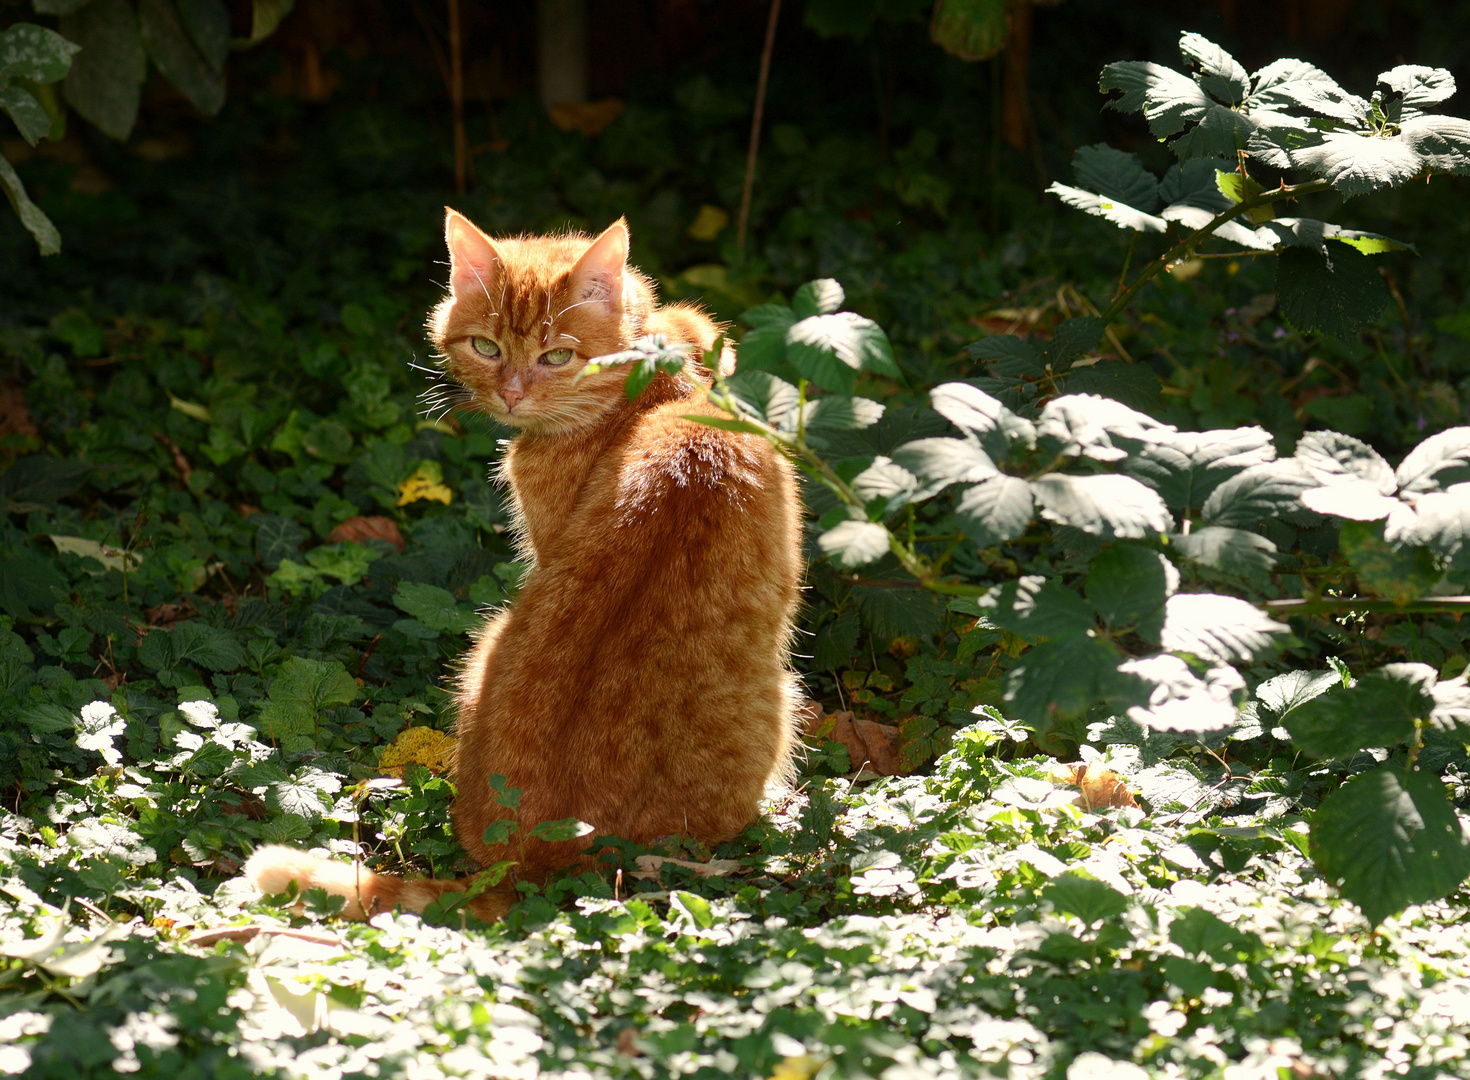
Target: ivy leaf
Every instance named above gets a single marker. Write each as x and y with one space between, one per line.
1217 628
1379 710
1437 462
1113 507
830 349
1259 493
820 297
1127 583
277 538
1185 467
1231 551
1390 840
1035 607
32 52
854 543
1338 293
1179 700
995 510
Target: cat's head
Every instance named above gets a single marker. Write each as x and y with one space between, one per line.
524 316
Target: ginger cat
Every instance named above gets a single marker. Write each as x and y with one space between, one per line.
640 680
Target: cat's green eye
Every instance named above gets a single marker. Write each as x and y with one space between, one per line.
484 346
556 357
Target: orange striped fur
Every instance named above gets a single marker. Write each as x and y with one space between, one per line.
640 681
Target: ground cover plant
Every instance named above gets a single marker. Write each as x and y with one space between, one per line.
1151 689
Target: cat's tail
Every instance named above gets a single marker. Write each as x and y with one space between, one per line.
272 869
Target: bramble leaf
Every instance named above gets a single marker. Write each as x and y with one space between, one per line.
1379 710
1035 607
995 510
1114 507
1218 628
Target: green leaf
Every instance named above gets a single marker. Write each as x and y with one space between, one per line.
194 644
1116 175
1442 523
694 908
895 613
975 411
1378 711
499 832
1396 573
829 349
1356 163
168 43
265 16
29 584
1440 142
502 792
1083 424
1073 338
208 24
724 423
1113 507
1288 84
854 543
762 348
1009 355
1259 493
1110 209
1218 628
48 240
1338 293
1277 698
1176 698
946 461
1436 463
1220 74
32 52
38 481
1127 583
1390 840
1231 551
763 315
1186 467
970 29
842 413
1035 607
297 694
1203 933
995 510
1092 901
820 297
434 607
1333 458
1135 385
773 400
27 112
555 832
1418 86
1062 679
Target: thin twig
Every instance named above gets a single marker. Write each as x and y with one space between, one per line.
180 461
456 98
1429 605
755 125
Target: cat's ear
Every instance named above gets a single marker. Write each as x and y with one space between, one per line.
473 260
598 274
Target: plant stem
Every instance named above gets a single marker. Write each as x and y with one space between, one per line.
1437 605
456 98
755 125
1185 246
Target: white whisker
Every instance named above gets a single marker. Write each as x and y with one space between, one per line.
564 310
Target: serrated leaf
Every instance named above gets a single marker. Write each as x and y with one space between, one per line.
1259 493
48 240
1277 698
168 43
1126 584
1357 164
1451 714
1231 551
1113 507
1337 293
973 410
836 413
773 399
1092 901
1220 74
854 543
1331 458
1117 175
830 349
1396 573
1062 679
1011 355
894 613
1436 463
970 29
995 510
1440 142
886 480
1357 500
1176 699
769 315
1035 607
820 297
32 52
1083 425
434 607
1378 711
208 24
1186 467
297 694
762 348
556 832
1389 840
1418 86
1285 84
1222 629
946 461
1072 338
1108 208
1442 524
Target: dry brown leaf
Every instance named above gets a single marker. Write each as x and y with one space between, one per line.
588 117
648 866
358 529
246 933
868 743
1101 788
15 418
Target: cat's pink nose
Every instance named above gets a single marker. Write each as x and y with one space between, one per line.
511 396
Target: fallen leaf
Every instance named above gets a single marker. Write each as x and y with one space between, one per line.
360 528
1101 788
15 418
649 865
434 750
868 743
588 117
427 482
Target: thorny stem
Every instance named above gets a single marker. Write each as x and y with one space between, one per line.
1436 605
1194 239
